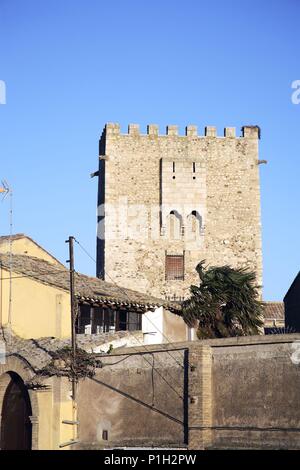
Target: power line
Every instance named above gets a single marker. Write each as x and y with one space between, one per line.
148 352
137 400
37 276
57 272
124 291
145 359
121 289
31 276
142 344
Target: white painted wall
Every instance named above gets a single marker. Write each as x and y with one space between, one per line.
152 326
162 326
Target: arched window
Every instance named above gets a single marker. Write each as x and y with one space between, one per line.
194 224
174 224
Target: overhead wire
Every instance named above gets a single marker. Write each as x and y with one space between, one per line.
137 339
126 293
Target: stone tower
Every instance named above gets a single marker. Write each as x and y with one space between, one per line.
165 202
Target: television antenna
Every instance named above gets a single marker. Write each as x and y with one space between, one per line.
6 190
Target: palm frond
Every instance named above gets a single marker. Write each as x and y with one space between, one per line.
225 303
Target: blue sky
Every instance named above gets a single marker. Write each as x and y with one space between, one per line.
72 65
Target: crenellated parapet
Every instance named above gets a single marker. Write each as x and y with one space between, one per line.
191 131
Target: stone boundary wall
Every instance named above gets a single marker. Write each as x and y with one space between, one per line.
138 398
232 393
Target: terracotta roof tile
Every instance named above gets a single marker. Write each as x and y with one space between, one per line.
37 352
86 288
274 310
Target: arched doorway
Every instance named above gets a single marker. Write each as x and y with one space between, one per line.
16 427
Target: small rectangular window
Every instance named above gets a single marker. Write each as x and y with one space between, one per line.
121 320
128 321
174 267
134 322
109 320
97 317
83 318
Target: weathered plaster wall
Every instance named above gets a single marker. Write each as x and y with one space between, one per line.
26 246
137 170
174 328
49 405
256 391
130 397
226 393
162 326
37 309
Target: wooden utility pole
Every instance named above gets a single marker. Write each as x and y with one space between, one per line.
74 421
72 300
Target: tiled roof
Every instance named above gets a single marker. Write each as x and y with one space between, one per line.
274 310
89 289
38 352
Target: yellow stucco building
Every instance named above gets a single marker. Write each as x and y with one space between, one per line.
35 321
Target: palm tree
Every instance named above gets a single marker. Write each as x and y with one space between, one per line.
225 303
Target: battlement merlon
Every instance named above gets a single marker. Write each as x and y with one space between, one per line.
248 132
112 128
252 132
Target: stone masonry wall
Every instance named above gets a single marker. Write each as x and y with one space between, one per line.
216 177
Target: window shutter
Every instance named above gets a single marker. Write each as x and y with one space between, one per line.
174 267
